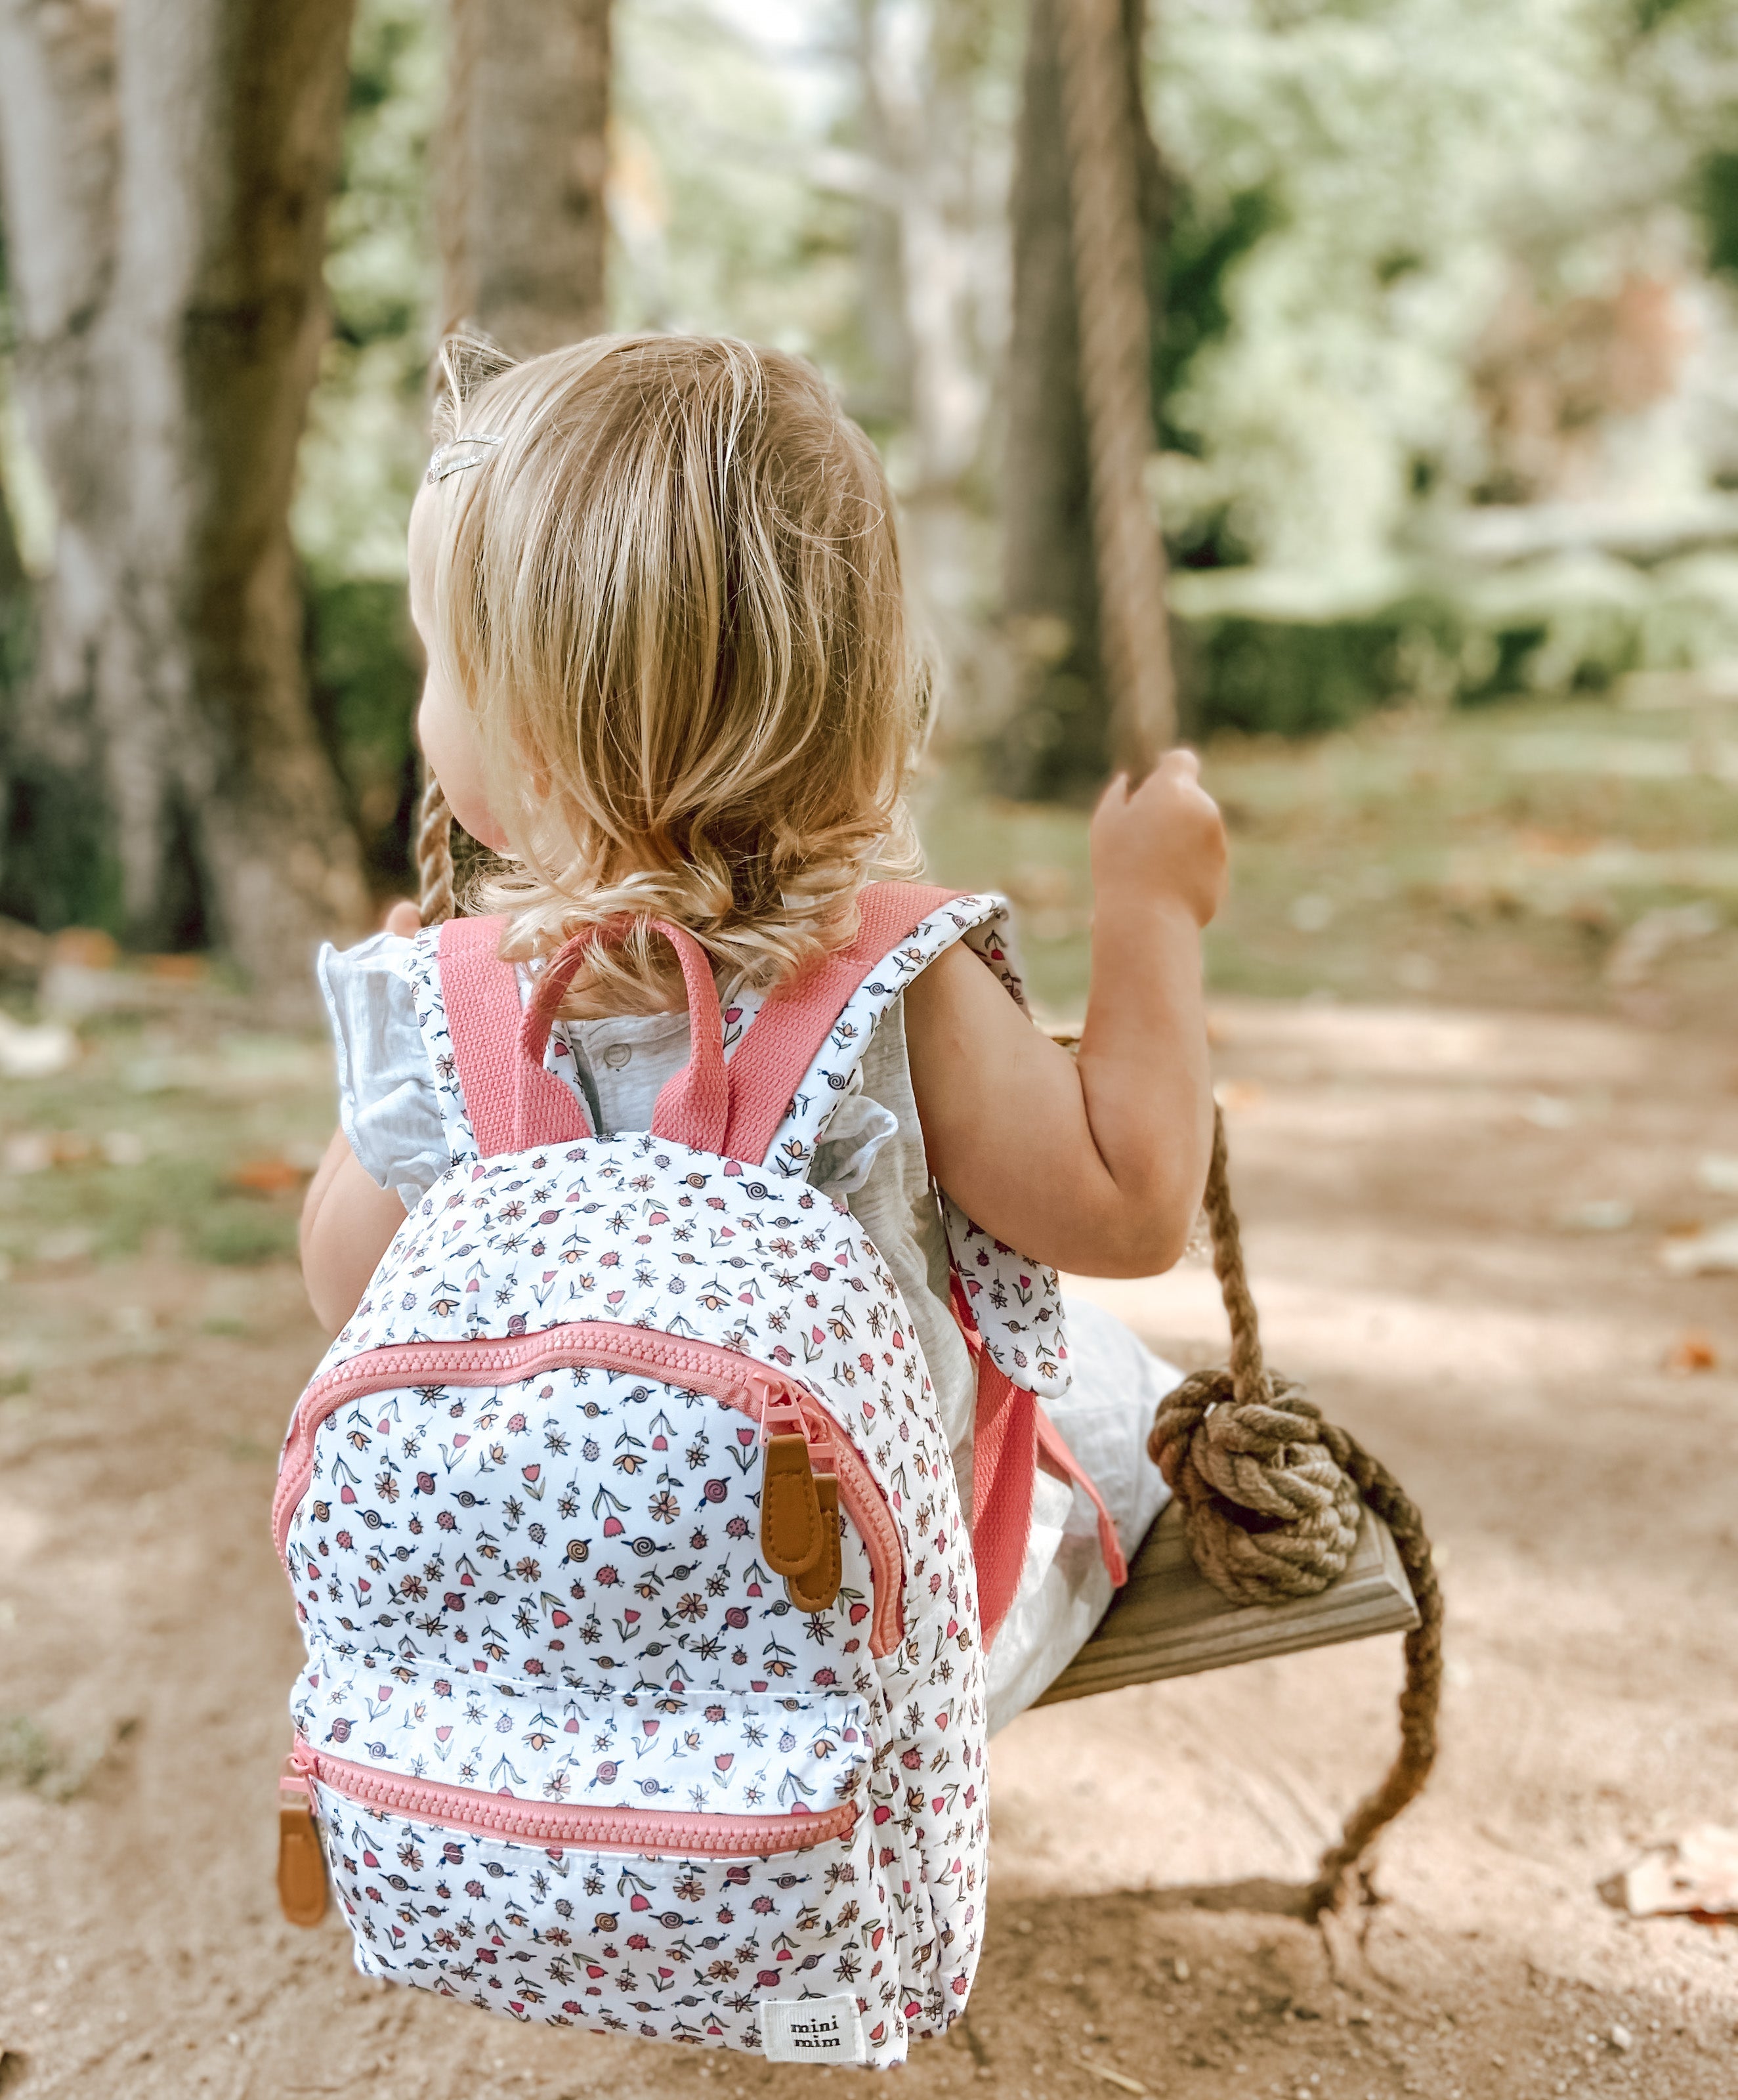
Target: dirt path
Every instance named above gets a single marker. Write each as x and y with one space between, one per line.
1400 1174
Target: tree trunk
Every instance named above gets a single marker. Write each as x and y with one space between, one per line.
1057 741
59 159
923 228
165 168
524 230
932 250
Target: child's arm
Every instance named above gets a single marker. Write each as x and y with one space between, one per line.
1096 1163
347 1224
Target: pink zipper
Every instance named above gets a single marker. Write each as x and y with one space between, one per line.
556 1824
737 1381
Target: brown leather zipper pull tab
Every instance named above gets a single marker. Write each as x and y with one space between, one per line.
302 1866
815 1588
792 1533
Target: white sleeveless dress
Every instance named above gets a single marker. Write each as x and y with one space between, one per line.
872 1156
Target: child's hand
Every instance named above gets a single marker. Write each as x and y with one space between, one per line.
402 918
1165 841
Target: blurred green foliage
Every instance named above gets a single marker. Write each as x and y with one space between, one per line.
1716 199
1430 172
728 212
1356 197
365 447
364 671
1202 245
1259 653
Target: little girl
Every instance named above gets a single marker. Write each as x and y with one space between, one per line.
669 675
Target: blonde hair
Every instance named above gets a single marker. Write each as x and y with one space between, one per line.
669 596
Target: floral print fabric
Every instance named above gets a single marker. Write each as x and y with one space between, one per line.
477 1569
670 1948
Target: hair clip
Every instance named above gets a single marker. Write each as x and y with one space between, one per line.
460 453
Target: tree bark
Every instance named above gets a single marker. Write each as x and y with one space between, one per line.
924 217
164 170
1056 742
524 229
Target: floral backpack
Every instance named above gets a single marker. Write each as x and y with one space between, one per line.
644 1689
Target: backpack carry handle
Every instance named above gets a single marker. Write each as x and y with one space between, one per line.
512 1103
693 1108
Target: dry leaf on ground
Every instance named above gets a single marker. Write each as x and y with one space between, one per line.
86 947
1693 1351
1713 1251
274 1175
1696 1873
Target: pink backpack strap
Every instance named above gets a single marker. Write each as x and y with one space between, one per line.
1004 1473
1010 1433
1051 1446
514 1102
774 1057
485 1020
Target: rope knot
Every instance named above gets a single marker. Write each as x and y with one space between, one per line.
1270 1510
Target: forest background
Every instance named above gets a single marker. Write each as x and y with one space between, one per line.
1443 373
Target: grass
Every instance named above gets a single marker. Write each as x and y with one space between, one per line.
27 1757
1491 857
145 1136
31 1758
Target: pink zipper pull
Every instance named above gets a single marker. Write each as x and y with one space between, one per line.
302 1866
769 1400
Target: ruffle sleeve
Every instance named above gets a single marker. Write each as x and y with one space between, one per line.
849 1148
386 1100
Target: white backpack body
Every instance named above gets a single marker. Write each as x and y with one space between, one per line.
575 1750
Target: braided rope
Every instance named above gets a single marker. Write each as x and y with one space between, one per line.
1270 1495
1111 298
1270 1492
434 855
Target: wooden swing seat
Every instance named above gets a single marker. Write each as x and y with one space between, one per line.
1169 1621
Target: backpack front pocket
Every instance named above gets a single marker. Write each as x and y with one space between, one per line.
660 1922
757 1390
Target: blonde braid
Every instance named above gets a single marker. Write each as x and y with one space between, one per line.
434 855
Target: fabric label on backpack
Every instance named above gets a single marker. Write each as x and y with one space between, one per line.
812 2030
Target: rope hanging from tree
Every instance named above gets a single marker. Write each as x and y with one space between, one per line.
1269 1491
